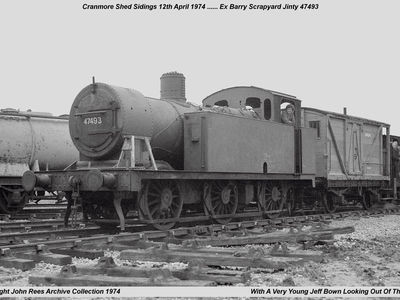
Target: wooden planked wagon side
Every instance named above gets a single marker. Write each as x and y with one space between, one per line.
349 149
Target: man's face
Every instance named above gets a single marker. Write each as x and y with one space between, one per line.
289 110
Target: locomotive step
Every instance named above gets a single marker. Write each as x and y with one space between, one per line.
387 190
387 199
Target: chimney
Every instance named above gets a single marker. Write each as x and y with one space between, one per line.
173 86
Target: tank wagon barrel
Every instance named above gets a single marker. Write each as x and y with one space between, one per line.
30 141
28 138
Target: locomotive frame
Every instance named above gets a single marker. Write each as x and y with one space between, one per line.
103 189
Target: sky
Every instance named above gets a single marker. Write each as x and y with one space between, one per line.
345 54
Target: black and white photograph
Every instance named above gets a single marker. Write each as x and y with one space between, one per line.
199 149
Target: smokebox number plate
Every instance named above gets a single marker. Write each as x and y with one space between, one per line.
92 121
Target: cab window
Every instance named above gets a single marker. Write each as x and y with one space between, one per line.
253 102
267 109
221 103
288 113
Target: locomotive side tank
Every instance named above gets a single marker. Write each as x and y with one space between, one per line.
102 115
30 141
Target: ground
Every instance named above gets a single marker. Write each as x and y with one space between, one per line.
368 257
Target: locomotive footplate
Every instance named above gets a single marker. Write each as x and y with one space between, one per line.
130 180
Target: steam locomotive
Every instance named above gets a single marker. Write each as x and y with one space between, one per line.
30 141
246 151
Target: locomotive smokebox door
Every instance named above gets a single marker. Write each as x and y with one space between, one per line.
93 122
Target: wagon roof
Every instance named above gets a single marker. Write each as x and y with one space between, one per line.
325 112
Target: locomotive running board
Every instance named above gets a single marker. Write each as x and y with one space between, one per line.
133 155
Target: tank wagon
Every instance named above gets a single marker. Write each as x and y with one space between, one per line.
30 141
166 158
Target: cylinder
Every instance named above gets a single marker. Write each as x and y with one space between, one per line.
28 139
102 115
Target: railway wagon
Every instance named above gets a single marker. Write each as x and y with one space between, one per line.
395 167
352 161
30 141
167 159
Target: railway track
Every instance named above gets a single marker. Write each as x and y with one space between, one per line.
201 245
44 208
30 225
45 235
13 242
33 211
